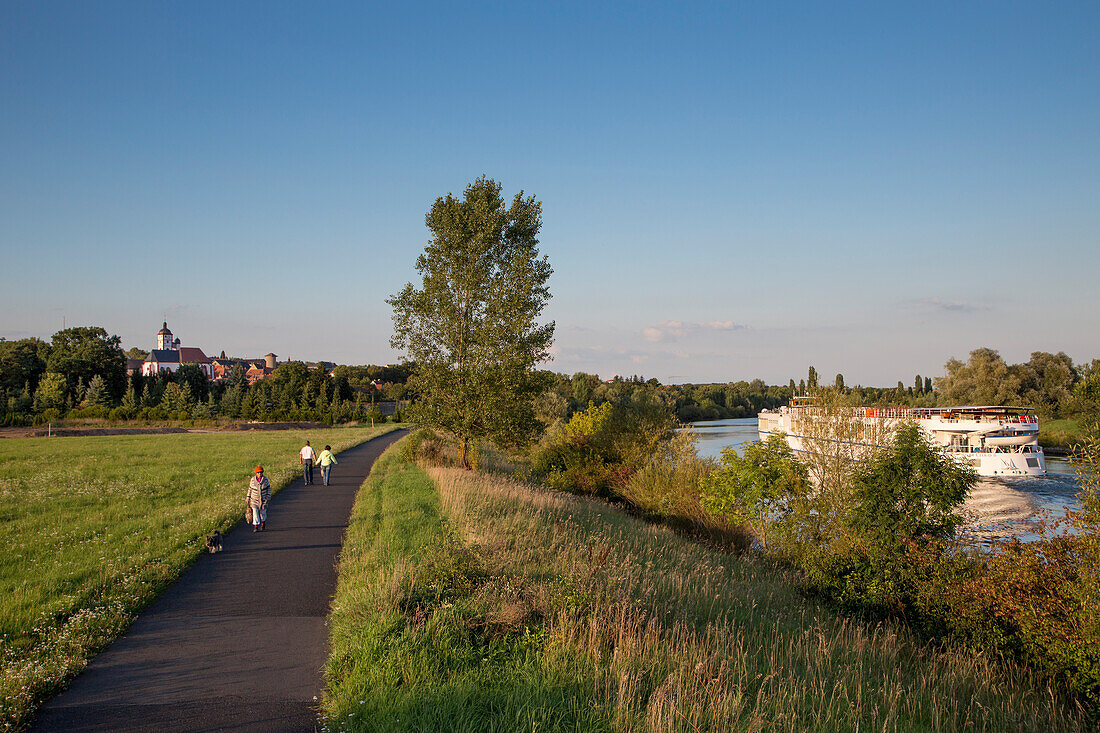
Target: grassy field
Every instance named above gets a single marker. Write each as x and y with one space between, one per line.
93 528
469 602
1061 433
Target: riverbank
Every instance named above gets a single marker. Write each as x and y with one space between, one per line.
473 602
997 509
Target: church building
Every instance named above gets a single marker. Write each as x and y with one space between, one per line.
169 355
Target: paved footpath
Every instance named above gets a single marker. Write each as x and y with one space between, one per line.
239 642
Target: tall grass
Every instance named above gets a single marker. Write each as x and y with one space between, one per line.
93 528
1061 433
524 609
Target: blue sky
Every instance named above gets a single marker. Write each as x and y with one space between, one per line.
730 190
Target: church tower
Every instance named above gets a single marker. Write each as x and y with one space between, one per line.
164 338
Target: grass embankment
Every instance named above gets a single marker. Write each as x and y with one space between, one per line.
486 604
93 528
1061 434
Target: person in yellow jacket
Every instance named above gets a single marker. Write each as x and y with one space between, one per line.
326 459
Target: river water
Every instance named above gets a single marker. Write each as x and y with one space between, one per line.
996 509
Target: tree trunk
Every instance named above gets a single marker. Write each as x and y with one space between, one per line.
466 453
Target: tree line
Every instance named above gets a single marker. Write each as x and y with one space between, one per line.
81 373
1052 384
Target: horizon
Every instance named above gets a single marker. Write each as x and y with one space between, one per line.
729 193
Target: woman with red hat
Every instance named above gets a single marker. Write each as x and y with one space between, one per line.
259 493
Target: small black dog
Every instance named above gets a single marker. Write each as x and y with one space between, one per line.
214 542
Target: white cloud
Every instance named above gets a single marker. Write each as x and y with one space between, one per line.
668 331
949 306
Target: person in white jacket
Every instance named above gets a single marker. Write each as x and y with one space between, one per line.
308 457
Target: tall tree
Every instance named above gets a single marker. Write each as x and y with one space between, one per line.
22 362
50 393
984 379
96 394
1047 381
83 352
472 326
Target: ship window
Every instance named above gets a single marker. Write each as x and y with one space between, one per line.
1032 462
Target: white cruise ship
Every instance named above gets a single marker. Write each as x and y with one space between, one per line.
994 441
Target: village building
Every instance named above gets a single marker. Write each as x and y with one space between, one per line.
169 355
254 369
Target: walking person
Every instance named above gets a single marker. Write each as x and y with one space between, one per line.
308 457
326 459
259 493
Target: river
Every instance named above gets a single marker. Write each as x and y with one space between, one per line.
996 509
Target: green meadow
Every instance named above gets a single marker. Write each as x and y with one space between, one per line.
1061 433
474 602
92 529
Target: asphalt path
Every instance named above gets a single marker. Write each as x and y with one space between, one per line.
239 641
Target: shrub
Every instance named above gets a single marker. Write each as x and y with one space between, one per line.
1039 589
909 490
765 488
422 444
599 449
671 483
50 414
95 412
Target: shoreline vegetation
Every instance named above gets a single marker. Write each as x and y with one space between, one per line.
479 601
95 528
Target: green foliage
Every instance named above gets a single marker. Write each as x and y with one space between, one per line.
191 376
1047 382
130 404
472 326
22 364
96 395
599 449
984 379
718 401
670 483
908 491
177 398
582 456
765 487
84 352
1045 592
483 604
51 393
422 443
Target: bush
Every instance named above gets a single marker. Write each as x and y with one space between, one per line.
95 412
599 449
422 444
1038 588
671 483
153 414
50 414
766 488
